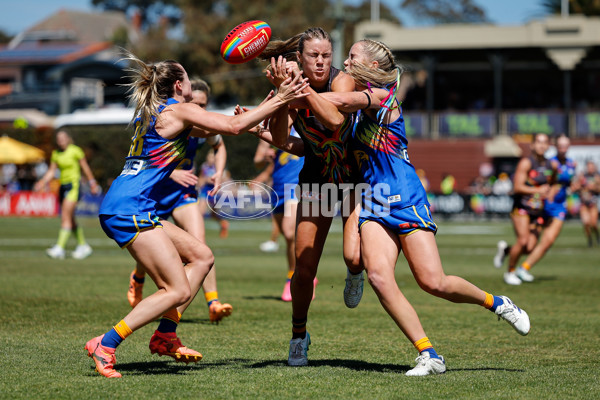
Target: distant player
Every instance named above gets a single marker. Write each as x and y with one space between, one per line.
555 208
69 160
588 187
531 186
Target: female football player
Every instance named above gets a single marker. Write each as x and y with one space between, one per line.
588 187
531 186
326 165
182 204
164 118
394 213
555 208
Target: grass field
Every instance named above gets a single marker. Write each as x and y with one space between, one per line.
50 308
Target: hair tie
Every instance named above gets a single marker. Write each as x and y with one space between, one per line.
368 99
154 68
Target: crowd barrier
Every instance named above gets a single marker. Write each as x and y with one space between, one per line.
38 204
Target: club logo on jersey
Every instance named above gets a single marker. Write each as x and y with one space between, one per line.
133 167
360 157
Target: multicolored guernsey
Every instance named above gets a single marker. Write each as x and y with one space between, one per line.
541 173
325 151
382 159
150 161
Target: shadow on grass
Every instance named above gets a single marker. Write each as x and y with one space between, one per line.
544 278
485 369
277 298
202 321
168 367
358 365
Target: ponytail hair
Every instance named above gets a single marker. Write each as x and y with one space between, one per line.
151 85
387 72
288 48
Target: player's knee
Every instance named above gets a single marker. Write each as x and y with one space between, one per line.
202 254
523 242
304 274
433 285
288 235
376 280
353 263
181 295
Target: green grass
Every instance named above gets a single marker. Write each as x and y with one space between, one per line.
50 308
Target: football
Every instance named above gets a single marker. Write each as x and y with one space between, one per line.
245 42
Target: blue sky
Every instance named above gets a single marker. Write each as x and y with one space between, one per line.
21 14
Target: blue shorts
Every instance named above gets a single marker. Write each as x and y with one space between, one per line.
204 191
403 221
164 211
124 229
555 210
280 197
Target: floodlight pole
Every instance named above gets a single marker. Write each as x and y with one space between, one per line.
564 8
338 35
374 11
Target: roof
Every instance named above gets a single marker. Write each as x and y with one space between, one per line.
573 31
103 116
76 26
32 116
109 116
34 53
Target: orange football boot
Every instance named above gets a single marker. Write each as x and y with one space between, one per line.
134 294
104 357
168 344
217 311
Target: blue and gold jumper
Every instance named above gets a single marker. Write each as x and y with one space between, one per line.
129 206
393 194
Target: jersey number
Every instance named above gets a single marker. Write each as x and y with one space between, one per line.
137 141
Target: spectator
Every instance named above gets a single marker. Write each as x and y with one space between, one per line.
447 184
503 185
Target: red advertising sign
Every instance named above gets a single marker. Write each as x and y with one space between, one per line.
30 204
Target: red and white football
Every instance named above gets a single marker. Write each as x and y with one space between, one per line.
245 42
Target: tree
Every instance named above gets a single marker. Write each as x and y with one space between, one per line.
4 37
445 11
206 23
150 11
585 7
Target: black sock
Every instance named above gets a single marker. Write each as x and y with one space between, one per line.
298 328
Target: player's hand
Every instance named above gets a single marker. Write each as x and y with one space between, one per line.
292 89
184 177
270 155
292 68
215 180
544 190
95 188
278 72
